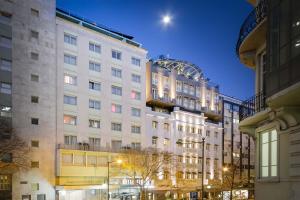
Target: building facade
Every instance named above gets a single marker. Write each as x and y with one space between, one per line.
269 44
73 90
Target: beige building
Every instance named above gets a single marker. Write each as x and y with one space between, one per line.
269 44
74 92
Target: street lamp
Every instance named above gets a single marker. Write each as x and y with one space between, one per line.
108 164
179 142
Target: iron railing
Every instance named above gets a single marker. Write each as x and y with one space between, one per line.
89 147
257 15
252 106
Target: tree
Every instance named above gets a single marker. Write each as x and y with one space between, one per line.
13 150
144 167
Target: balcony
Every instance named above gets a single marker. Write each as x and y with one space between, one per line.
252 106
252 34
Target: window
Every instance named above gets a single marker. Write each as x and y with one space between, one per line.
34 78
216 134
116 72
136 78
70 59
70 100
34 99
166 141
154 124
154 140
268 153
116 144
5 41
70 119
70 39
135 61
35 164
34 34
5 65
116 108
95 141
34 143
35 12
136 145
5 17
207 133
94 104
116 54
35 121
35 186
5 182
94 123
94 86
135 129
6 157
116 90
116 126
70 140
135 95
95 47
34 56
136 112
180 128
70 79
166 126
93 66
5 111
26 197
41 197
5 88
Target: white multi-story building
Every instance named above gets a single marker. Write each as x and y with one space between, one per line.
183 108
75 92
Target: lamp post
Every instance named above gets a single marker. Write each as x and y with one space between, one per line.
202 167
108 165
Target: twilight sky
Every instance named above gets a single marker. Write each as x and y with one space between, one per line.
203 32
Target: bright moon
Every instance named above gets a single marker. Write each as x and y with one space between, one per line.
166 19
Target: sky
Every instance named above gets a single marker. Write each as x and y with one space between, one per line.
203 32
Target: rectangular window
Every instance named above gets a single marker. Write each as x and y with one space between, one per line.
35 121
95 47
136 112
5 182
5 65
166 126
268 153
5 111
116 72
5 17
94 104
154 124
135 129
34 99
94 86
34 143
70 59
34 56
34 34
116 90
116 126
116 144
34 78
136 145
95 141
5 88
35 164
70 79
135 61
116 54
116 108
70 39
41 197
5 41
70 119
70 140
93 66
136 78
135 95
70 100
34 12
94 123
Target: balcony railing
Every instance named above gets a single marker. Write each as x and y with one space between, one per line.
252 106
257 15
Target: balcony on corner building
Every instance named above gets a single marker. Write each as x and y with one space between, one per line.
252 106
252 34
